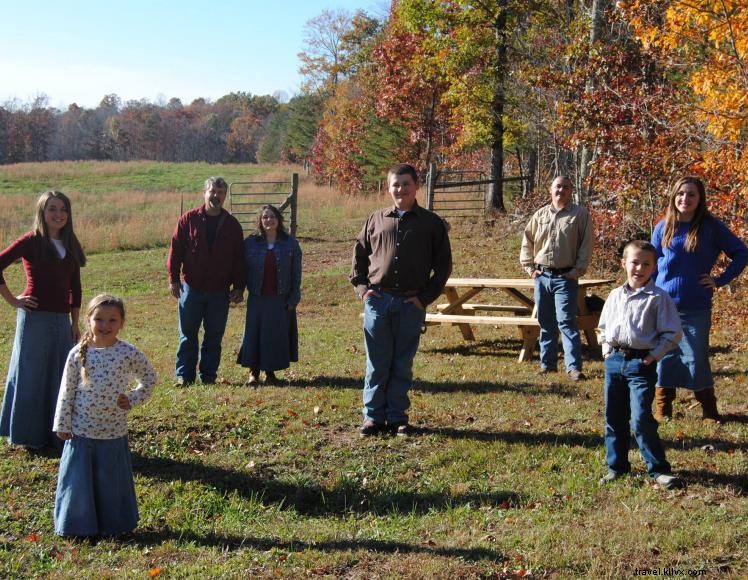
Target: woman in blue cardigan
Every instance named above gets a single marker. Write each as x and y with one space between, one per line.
273 258
688 241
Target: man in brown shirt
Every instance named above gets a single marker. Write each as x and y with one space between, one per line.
401 262
556 250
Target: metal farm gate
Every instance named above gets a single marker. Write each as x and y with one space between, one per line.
247 197
456 193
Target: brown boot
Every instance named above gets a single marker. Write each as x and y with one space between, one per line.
663 404
708 404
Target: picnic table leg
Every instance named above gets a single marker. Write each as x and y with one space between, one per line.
588 325
529 338
453 298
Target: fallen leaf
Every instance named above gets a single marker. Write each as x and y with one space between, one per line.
33 537
153 572
291 413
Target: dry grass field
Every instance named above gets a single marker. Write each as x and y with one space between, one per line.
500 480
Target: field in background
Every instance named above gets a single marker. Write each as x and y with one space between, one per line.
273 481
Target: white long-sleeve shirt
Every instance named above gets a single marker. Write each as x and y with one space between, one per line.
643 319
90 409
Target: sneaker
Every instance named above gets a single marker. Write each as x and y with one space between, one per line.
610 476
252 379
182 382
576 375
370 428
401 429
667 481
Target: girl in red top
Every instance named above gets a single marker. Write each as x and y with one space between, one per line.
46 324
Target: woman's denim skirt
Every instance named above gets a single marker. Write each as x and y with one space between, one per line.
95 489
688 365
40 349
271 334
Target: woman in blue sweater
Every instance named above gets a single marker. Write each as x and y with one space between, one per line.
273 258
688 241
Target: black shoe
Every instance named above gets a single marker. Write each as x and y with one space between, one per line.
370 428
270 378
401 429
576 375
206 381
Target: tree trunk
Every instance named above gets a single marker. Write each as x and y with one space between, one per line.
495 197
597 33
532 161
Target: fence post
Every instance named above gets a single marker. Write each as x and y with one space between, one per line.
294 199
430 184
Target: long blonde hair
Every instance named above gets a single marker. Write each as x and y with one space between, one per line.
96 302
671 215
67 234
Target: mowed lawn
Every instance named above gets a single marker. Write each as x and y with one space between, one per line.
500 480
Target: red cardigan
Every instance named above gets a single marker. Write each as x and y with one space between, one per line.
56 284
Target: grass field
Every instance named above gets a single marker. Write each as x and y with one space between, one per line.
499 482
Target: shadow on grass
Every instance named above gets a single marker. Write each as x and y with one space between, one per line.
734 418
146 537
444 386
699 442
509 347
727 372
738 482
569 439
309 498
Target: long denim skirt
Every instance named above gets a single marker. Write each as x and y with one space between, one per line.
271 335
95 488
688 365
40 348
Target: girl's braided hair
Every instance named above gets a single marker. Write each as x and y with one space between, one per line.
96 302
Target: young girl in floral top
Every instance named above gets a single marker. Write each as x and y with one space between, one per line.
95 489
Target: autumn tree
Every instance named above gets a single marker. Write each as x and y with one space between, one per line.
323 58
705 44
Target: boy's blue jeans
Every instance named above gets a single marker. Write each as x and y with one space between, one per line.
629 392
392 331
211 310
556 298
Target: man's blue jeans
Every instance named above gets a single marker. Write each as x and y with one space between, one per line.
392 330
629 392
211 309
556 299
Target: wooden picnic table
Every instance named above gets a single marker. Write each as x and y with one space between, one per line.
523 311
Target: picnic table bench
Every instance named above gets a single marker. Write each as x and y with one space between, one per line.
522 313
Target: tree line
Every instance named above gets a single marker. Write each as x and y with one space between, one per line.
623 96
238 127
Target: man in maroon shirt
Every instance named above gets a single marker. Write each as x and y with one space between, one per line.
207 248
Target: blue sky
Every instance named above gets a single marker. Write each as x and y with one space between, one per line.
80 50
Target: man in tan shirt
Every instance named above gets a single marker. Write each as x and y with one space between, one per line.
556 250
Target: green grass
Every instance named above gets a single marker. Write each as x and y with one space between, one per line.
96 176
502 478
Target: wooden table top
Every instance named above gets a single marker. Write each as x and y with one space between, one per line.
515 282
